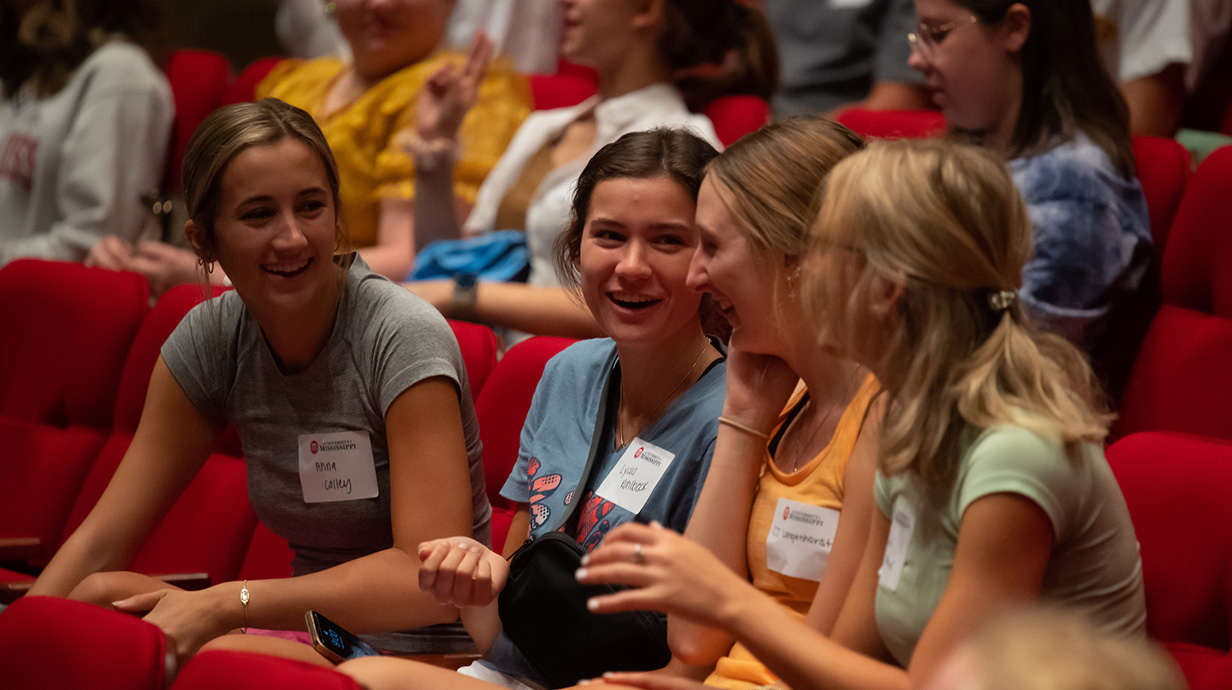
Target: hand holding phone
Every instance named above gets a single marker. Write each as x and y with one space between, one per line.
335 642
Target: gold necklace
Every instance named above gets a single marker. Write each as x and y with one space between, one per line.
620 434
799 446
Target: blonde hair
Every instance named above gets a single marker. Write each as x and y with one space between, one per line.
1055 649
769 180
947 223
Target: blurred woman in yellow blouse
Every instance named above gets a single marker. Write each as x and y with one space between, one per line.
360 105
363 103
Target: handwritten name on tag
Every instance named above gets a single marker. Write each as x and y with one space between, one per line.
636 475
801 536
336 466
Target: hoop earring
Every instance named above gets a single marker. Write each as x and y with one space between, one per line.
207 266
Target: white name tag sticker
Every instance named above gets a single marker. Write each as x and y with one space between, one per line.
901 528
336 467
636 475
800 539
849 4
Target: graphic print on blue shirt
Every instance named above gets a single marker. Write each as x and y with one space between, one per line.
592 525
541 488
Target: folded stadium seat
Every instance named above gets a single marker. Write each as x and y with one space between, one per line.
66 332
1162 167
198 79
571 85
502 406
1176 487
241 671
736 116
244 87
478 345
893 124
1181 379
47 642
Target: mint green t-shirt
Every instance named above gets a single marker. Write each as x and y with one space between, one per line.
1095 564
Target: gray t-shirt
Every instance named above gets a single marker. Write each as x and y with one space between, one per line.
384 341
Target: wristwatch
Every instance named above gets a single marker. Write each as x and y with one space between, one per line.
465 292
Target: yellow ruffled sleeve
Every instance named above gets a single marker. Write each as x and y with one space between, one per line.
504 100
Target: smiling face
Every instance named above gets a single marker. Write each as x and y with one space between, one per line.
748 286
636 245
388 35
275 229
972 70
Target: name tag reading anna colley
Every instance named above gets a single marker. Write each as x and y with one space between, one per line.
336 467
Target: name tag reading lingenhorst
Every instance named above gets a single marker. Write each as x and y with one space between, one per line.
800 539
336 467
901 528
636 475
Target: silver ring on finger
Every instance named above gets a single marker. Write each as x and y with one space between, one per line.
639 558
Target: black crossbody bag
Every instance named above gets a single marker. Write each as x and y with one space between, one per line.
543 606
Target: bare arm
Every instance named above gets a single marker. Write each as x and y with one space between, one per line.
1156 101
1004 544
172 442
757 389
537 310
852 537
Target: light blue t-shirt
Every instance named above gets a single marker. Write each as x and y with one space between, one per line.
1091 234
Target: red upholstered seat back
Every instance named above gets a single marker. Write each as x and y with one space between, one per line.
1177 489
571 85
1182 377
1162 166
478 345
244 87
145 350
65 333
239 671
502 407
56 643
893 124
736 116
198 79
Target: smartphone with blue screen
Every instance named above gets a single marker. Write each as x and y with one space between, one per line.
335 642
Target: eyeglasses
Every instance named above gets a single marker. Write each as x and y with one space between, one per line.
925 42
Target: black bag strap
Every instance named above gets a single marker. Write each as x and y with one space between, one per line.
613 374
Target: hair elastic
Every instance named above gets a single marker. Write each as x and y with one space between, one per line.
1001 300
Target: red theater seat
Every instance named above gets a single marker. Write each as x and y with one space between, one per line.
736 116
66 332
198 79
240 671
244 87
1176 487
1182 377
502 406
47 642
478 345
893 124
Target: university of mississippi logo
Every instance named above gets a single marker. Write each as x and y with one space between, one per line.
313 447
638 452
786 509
